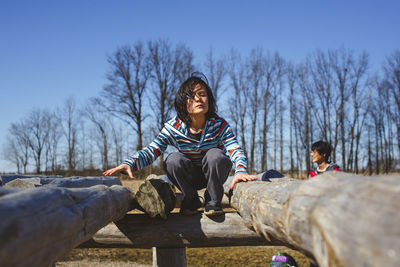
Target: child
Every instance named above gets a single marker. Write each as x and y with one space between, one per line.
201 137
320 154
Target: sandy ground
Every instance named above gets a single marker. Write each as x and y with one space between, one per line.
89 263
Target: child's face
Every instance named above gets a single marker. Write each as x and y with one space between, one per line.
317 157
198 104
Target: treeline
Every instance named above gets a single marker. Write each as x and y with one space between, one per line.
277 109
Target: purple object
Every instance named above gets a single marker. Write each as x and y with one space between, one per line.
280 258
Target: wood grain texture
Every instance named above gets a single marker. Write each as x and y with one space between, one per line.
339 219
40 225
141 231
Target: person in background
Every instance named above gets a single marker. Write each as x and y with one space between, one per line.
320 154
203 140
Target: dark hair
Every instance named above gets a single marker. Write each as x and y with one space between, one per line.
322 148
185 92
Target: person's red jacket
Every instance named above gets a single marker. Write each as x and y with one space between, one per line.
332 167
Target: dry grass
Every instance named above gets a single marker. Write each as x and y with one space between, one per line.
221 256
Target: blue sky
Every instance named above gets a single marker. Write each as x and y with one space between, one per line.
50 50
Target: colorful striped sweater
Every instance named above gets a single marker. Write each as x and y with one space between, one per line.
216 134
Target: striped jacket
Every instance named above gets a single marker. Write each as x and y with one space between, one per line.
216 134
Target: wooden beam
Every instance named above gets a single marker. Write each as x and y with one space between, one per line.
339 219
140 231
40 225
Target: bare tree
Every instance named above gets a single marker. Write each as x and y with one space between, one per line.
118 142
357 71
270 74
215 71
38 125
277 106
54 136
255 76
392 81
94 112
18 147
128 76
169 67
70 120
83 145
341 62
303 118
291 81
11 152
321 90
238 78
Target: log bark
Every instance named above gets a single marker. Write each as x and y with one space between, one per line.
79 182
59 181
40 225
140 231
9 177
338 219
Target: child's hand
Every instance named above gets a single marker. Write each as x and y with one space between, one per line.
242 177
124 168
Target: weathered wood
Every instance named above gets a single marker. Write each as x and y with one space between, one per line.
80 182
339 219
140 231
9 177
156 197
23 183
59 181
167 257
39 225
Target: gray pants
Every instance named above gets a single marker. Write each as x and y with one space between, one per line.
190 178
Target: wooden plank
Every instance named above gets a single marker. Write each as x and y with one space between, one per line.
167 257
140 231
40 225
339 219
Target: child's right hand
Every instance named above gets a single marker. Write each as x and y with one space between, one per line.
124 168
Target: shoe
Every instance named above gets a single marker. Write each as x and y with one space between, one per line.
191 208
211 211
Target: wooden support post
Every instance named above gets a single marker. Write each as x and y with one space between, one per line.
167 257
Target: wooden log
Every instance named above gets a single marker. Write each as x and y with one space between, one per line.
80 182
9 177
140 231
23 183
59 181
167 257
40 225
339 219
